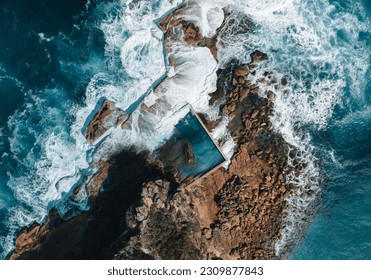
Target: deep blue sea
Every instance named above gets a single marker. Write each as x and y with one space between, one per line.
57 58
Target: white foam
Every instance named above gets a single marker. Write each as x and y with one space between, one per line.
43 37
208 15
334 160
61 159
48 168
302 42
190 81
150 99
18 217
4 200
17 82
221 135
134 52
132 20
195 77
144 48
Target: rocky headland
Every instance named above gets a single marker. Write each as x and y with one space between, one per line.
141 209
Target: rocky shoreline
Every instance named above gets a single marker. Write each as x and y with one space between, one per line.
233 213
141 209
90 234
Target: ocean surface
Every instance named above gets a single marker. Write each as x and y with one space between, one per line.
59 58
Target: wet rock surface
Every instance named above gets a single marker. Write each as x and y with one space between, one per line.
233 213
176 153
166 228
177 25
106 117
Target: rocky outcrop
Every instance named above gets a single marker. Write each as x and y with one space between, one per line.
257 56
90 234
107 116
92 185
240 209
233 213
176 153
145 212
166 223
177 22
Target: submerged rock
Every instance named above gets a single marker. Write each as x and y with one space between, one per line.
176 153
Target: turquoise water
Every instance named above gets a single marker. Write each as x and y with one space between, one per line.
342 227
207 156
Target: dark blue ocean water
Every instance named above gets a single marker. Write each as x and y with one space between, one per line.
50 50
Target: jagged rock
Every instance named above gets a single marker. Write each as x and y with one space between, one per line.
176 153
242 71
243 93
241 235
168 230
107 116
258 56
90 234
284 81
188 153
254 89
192 35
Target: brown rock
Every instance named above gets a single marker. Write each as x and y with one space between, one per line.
242 71
254 89
258 56
106 117
192 35
188 153
244 93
